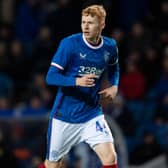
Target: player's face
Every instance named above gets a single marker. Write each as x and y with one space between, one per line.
91 27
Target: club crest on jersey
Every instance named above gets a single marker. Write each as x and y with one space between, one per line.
82 56
106 56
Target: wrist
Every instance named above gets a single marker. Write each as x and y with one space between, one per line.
77 82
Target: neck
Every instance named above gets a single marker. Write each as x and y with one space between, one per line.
94 41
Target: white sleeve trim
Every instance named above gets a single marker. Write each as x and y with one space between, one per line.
114 62
57 65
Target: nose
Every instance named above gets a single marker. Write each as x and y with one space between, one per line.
86 26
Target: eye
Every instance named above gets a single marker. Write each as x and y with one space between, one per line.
90 22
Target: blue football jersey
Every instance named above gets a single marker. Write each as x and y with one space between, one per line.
75 57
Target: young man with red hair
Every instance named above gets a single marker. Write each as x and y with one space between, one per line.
77 69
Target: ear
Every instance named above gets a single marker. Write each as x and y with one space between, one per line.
103 25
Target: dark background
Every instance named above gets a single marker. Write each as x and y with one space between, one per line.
30 31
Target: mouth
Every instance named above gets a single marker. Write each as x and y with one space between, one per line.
86 33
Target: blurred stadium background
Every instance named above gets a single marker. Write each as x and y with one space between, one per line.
30 31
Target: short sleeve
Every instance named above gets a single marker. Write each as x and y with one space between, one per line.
114 58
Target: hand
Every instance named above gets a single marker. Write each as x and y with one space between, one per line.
109 93
87 80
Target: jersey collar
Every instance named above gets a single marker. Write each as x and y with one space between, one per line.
91 46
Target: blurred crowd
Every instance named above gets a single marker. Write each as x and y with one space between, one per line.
27 44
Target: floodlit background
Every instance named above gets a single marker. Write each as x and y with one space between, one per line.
30 31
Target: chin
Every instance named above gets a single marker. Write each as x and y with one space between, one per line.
87 36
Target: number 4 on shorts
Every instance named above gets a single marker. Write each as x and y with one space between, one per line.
99 127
